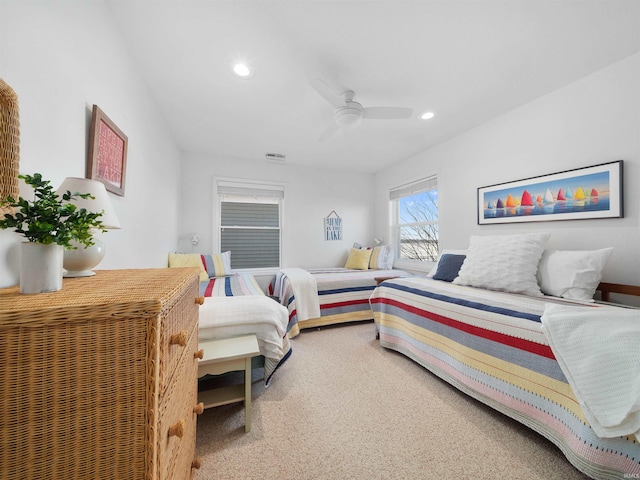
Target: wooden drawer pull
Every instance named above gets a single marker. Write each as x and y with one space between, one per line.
200 300
198 409
179 338
177 429
199 354
196 463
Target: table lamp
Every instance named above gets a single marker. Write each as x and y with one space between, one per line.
79 262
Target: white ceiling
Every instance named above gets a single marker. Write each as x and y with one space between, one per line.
468 61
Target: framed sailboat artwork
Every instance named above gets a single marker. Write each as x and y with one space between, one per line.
582 193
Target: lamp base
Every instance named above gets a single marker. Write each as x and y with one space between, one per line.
79 262
80 273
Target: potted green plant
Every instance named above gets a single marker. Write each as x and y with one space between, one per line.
50 223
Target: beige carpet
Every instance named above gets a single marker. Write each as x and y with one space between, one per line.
342 407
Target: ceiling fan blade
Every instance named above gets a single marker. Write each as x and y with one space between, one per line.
384 113
328 93
329 132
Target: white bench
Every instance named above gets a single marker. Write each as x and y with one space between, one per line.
228 355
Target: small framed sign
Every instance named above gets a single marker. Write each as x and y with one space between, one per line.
333 226
107 160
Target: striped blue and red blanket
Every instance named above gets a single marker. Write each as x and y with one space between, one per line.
491 346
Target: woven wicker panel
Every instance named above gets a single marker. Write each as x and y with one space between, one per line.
66 390
124 293
9 142
79 376
176 321
176 454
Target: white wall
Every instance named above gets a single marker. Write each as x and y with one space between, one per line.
592 121
310 195
61 58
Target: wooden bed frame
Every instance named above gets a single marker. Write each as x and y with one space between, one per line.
606 289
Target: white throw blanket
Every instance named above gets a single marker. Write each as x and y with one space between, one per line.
305 291
598 350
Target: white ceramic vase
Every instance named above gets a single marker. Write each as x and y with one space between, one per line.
40 267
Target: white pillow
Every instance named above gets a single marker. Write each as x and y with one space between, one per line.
382 257
452 252
572 274
504 262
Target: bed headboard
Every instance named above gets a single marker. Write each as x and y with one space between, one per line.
606 289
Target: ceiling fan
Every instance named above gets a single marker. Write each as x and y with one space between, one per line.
349 113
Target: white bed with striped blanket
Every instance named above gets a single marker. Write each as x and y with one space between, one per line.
492 346
333 296
233 316
234 305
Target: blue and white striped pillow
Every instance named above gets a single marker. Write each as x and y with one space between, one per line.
382 258
218 265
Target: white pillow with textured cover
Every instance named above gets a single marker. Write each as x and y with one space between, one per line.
573 274
508 263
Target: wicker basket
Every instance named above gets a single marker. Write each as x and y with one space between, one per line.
9 143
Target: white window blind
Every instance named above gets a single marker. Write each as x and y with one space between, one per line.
248 189
249 223
429 183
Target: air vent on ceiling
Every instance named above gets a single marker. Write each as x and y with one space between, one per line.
275 157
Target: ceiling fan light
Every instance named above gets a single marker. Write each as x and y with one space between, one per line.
348 117
427 115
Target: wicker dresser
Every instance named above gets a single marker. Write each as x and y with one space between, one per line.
99 379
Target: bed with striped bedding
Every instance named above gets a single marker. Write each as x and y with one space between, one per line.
236 305
341 293
491 345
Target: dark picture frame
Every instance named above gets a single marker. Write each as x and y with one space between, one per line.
581 193
107 162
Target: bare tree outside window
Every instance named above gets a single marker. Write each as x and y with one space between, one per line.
418 226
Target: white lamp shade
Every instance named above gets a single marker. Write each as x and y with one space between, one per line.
101 203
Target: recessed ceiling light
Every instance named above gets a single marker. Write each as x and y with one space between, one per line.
427 115
242 69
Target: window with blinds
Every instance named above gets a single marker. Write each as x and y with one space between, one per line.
249 223
414 220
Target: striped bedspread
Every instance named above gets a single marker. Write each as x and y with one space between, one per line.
491 346
230 286
343 295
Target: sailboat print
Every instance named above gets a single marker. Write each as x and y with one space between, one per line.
526 203
526 200
561 197
548 202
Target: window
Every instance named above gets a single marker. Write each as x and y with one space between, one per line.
414 220
249 222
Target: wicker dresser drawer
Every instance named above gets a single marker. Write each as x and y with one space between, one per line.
177 424
178 322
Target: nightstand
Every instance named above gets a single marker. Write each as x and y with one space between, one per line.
223 356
